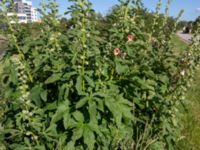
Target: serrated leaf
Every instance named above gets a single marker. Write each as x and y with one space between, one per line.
50 106
53 78
68 122
92 111
121 68
69 146
79 85
114 108
35 94
52 130
68 75
81 102
62 108
78 116
77 134
89 138
44 95
89 81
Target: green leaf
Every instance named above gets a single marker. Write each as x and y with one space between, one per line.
121 68
68 75
78 116
53 78
68 122
89 138
114 108
89 81
44 95
62 108
41 147
70 146
77 134
18 147
92 111
35 94
79 85
52 131
50 106
81 102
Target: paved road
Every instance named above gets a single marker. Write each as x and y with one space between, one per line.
185 37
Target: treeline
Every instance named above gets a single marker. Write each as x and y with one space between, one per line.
190 25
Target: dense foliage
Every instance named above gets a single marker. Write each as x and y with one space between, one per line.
195 24
84 89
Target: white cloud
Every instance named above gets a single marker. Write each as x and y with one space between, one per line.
198 9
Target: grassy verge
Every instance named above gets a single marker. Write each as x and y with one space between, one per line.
191 119
190 138
180 45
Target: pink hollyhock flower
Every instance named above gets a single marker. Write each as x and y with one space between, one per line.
116 51
130 38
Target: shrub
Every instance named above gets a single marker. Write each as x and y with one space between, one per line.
82 90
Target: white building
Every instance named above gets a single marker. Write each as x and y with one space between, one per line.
34 15
25 7
22 18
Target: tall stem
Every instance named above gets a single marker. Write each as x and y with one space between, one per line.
83 40
14 39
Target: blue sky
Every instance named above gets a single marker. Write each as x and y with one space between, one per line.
191 7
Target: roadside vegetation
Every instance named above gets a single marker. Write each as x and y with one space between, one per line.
114 82
191 117
190 109
3 46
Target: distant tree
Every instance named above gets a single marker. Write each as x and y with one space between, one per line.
182 24
195 24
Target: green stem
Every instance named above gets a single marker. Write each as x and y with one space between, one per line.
83 40
14 39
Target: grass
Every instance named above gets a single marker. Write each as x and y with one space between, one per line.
191 119
191 116
180 45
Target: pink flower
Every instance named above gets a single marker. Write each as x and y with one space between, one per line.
116 51
130 38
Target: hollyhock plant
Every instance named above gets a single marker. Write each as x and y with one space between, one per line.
91 85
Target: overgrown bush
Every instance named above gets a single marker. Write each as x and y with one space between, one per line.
84 90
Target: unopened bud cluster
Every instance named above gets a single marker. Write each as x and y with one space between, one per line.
23 79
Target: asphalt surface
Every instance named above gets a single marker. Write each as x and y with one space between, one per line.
185 37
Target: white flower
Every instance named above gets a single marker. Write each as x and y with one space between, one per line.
28 133
28 102
35 137
183 72
22 99
30 114
25 112
21 87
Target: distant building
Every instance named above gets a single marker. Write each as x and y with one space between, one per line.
25 8
22 18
